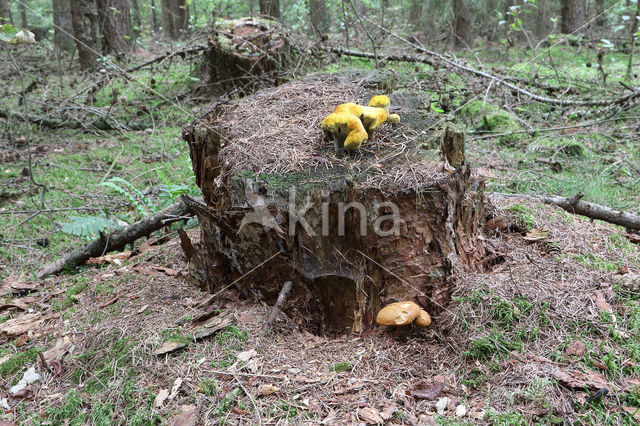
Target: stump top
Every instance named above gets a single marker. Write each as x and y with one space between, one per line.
276 132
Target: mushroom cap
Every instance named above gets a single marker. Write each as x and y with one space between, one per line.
398 313
394 118
423 319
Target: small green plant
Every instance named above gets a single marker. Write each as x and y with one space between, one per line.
89 227
493 344
339 367
142 205
209 387
173 335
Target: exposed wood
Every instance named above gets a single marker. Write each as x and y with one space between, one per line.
575 205
278 305
118 239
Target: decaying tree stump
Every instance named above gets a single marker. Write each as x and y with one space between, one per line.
278 204
245 53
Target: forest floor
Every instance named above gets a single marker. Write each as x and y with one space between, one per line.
532 340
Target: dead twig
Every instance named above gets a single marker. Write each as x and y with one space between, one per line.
278 306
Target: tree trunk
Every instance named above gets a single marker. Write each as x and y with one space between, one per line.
415 12
270 8
137 17
541 21
86 28
572 16
318 16
462 23
601 17
115 20
389 226
5 12
62 25
23 14
175 18
154 17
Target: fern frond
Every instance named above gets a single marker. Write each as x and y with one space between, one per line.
88 226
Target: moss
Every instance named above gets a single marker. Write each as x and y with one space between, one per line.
18 361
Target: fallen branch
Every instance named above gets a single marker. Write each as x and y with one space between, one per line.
278 306
75 124
503 82
584 208
118 238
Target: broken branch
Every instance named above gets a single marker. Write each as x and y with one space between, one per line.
119 238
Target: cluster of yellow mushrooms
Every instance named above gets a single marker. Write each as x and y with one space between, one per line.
350 124
403 313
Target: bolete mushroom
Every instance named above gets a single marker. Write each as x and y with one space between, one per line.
398 313
423 319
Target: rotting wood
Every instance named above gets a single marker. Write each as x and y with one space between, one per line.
55 123
575 205
118 238
414 224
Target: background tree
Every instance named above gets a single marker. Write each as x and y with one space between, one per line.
5 12
175 18
86 29
23 14
63 27
115 23
572 16
318 16
462 23
270 8
154 17
415 12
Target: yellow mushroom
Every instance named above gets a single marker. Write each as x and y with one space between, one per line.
371 117
380 101
394 119
346 131
423 319
398 313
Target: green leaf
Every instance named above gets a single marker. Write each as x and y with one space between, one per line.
88 226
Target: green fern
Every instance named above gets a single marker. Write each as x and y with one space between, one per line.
88 226
123 187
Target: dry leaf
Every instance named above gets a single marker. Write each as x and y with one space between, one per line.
576 348
601 303
114 259
167 271
185 243
266 390
176 388
537 234
110 301
387 411
577 380
22 324
170 346
370 415
160 398
188 417
53 358
245 356
425 390
147 245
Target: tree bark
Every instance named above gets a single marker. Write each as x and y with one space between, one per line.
270 8
115 20
137 17
23 14
462 23
5 12
572 16
175 18
63 27
318 16
415 12
601 17
154 17
86 28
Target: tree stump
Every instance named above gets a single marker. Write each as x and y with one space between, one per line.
245 53
392 222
